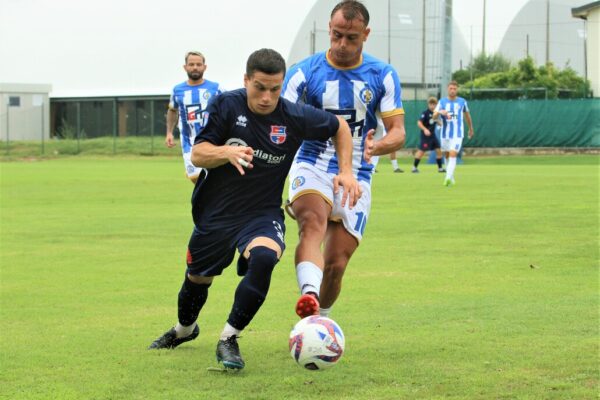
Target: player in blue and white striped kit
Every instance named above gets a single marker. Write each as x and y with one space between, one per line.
454 111
349 83
188 103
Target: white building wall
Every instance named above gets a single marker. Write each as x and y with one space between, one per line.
27 116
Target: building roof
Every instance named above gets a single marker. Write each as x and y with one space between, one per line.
583 11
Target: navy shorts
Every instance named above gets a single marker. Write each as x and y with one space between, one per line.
429 142
211 251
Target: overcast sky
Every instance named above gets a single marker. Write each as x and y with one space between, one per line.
117 47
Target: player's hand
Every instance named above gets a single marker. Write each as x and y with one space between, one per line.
169 140
352 190
427 132
369 146
241 157
471 133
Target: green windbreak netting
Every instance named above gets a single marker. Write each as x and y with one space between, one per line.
522 123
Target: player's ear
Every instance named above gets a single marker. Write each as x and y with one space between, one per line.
246 81
366 32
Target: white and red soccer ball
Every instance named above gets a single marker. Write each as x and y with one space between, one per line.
317 342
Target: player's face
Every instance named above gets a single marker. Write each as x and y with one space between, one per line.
431 106
452 91
346 39
263 91
195 67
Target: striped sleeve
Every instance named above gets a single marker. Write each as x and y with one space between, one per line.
391 103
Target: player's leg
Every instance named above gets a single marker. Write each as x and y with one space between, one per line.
394 162
261 243
341 241
339 247
439 160
311 195
418 156
435 145
449 180
312 213
202 266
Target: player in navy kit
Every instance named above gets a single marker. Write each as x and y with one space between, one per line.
428 139
246 149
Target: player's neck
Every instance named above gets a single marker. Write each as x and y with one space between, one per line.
195 82
350 65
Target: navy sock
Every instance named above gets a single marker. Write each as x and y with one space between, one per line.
252 289
417 161
439 162
192 297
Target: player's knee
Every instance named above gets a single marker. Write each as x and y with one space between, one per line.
311 221
262 260
261 263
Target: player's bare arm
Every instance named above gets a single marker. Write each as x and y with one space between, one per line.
207 155
470 123
394 140
343 148
172 118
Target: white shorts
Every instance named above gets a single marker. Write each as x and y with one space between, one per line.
190 169
453 144
305 178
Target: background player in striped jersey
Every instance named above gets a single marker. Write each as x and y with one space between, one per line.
454 111
187 104
349 83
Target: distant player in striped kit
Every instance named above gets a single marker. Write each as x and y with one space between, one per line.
356 86
454 111
188 104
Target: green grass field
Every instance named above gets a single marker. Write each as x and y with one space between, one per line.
486 290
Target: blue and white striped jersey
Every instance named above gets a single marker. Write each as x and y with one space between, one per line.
357 93
454 126
191 102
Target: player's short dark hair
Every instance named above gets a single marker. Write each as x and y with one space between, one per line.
267 61
194 53
352 9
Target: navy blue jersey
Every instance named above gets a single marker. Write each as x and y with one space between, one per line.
427 121
225 197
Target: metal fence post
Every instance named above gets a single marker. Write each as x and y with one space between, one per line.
152 127
42 106
78 123
7 128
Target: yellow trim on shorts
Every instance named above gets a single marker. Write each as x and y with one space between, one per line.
311 191
397 111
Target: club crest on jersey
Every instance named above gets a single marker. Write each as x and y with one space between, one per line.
366 95
277 134
297 182
206 95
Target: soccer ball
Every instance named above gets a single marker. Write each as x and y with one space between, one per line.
316 343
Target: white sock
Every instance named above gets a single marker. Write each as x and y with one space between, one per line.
450 167
309 277
375 161
183 331
395 164
229 331
324 312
